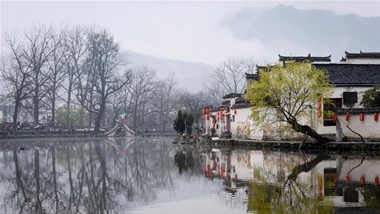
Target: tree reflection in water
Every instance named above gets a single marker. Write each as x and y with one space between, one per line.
188 160
272 192
84 177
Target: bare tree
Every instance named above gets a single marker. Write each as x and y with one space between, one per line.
107 61
57 72
16 72
229 77
163 98
115 106
37 51
141 93
76 44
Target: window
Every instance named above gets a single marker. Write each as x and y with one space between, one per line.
350 98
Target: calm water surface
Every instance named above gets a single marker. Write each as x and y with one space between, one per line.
146 175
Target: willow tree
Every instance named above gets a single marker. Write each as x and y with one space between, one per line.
291 93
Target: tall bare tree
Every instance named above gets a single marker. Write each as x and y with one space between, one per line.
141 88
76 41
37 51
163 98
229 77
107 62
57 72
16 72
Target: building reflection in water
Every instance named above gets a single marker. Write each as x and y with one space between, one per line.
297 182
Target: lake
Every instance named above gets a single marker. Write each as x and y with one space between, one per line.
152 175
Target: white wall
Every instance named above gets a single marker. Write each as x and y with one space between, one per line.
338 93
363 61
242 127
369 128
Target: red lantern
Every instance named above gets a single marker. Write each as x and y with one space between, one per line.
347 117
334 118
348 180
361 117
319 113
335 178
362 180
319 105
377 181
235 112
376 116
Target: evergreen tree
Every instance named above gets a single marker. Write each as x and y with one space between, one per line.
179 123
371 97
183 122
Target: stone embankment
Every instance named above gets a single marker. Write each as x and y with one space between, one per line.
293 145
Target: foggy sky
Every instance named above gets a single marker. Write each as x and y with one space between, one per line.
187 31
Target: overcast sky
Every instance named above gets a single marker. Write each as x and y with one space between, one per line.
188 31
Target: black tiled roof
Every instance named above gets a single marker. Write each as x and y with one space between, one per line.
263 67
352 74
371 55
231 95
252 76
241 105
357 111
226 102
240 100
303 58
355 210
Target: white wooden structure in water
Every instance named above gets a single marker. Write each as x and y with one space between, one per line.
119 126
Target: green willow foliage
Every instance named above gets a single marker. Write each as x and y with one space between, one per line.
289 93
268 195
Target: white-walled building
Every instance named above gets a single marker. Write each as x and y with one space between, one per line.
351 81
361 58
350 78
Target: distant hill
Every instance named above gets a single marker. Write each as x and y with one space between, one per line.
190 75
299 32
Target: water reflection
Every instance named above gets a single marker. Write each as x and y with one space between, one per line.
145 175
294 182
91 176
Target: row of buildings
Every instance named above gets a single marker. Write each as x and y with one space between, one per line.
354 74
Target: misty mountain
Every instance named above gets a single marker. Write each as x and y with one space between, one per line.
190 75
320 32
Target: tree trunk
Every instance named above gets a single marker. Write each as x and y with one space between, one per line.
52 122
308 131
307 166
36 109
68 105
15 113
99 118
